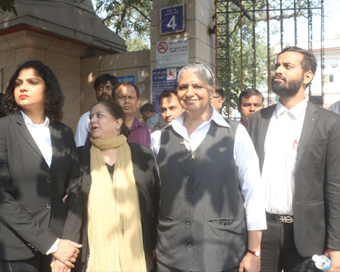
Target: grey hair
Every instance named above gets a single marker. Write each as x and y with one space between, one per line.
202 69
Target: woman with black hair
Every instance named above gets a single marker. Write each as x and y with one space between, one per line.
40 197
120 189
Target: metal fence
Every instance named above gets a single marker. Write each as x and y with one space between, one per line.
244 27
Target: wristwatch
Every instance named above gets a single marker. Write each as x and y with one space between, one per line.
255 253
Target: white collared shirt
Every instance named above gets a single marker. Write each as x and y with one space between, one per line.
82 129
245 158
42 136
281 144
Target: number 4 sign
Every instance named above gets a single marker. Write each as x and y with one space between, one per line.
172 19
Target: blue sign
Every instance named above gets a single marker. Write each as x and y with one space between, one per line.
172 19
129 79
163 79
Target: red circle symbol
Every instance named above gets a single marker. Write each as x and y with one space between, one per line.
162 47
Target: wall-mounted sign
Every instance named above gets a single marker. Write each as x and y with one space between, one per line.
162 79
172 19
172 53
129 79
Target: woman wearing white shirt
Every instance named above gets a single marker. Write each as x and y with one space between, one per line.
211 204
40 199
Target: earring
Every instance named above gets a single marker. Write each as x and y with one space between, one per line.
117 128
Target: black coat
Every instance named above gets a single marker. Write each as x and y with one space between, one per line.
32 213
316 201
147 182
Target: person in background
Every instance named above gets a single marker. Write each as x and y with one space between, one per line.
249 102
217 99
298 146
335 107
211 196
2 111
103 86
40 196
170 108
149 115
127 96
120 189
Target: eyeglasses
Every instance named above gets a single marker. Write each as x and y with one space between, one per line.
217 96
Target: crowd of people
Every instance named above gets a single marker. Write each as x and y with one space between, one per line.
200 193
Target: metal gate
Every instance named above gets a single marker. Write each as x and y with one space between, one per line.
249 34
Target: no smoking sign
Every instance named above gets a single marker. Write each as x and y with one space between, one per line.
162 47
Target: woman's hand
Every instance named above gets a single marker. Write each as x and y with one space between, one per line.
58 266
67 252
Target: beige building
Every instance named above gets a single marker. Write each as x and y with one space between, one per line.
72 40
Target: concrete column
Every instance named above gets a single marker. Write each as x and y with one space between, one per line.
198 15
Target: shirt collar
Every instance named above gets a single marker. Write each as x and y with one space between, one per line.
296 111
28 121
136 123
216 117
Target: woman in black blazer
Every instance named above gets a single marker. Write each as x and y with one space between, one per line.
120 196
40 197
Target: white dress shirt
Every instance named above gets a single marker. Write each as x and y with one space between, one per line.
281 144
245 158
82 129
42 137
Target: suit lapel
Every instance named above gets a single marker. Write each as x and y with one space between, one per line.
23 130
56 141
266 116
311 118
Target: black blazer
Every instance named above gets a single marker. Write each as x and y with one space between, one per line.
32 213
146 176
316 202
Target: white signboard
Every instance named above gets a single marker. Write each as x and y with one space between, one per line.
172 53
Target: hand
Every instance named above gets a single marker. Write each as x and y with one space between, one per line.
334 255
67 252
58 266
250 263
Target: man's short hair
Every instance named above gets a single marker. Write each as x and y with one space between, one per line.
166 93
147 107
248 93
102 79
309 61
218 91
115 88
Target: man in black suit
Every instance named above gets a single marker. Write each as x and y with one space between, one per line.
299 153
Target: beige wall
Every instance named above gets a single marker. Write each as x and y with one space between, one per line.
118 65
76 73
61 56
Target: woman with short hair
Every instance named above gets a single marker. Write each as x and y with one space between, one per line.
211 199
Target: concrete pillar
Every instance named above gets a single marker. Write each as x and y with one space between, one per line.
198 15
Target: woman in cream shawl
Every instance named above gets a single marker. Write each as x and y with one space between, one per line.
120 193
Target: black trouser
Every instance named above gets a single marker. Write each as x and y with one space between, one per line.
278 250
39 263
164 268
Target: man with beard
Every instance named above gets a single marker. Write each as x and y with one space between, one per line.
298 147
103 87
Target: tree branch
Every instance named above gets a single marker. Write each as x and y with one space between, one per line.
133 6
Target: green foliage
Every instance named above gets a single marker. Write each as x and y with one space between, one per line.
249 73
7 5
130 19
136 43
